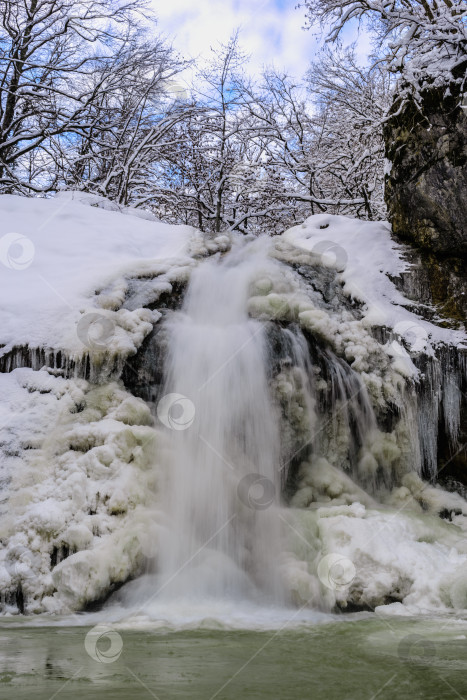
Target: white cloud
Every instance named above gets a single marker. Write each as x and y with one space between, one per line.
270 32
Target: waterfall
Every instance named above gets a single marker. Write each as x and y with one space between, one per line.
275 429
223 481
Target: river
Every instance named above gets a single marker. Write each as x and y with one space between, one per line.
352 657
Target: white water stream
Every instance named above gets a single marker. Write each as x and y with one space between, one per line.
272 389
238 405
223 478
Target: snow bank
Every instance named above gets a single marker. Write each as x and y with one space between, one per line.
352 555
57 255
78 467
81 462
365 257
78 481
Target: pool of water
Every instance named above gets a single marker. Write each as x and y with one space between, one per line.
351 658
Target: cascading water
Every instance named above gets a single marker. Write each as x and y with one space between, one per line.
223 477
252 409
287 428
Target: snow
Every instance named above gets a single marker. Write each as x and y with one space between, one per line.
74 276
365 258
57 254
391 554
77 466
82 464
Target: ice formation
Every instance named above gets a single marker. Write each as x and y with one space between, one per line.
324 387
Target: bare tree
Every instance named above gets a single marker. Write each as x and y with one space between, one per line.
90 100
422 40
214 181
325 153
50 53
130 125
352 103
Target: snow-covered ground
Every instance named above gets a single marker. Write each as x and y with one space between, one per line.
366 258
81 463
65 268
61 258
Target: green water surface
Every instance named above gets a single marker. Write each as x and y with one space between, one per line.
360 659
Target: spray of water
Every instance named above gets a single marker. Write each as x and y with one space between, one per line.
223 480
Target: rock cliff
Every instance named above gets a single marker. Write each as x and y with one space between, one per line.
426 188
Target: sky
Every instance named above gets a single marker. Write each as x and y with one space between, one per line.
270 30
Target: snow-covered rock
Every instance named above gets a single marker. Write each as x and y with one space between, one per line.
82 461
